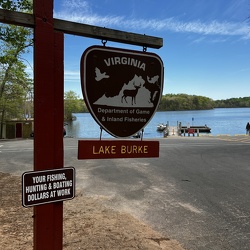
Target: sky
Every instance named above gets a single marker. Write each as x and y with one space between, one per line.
206 43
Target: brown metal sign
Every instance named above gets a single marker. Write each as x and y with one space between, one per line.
41 187
121 88
104 149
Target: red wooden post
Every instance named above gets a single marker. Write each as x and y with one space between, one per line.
48 117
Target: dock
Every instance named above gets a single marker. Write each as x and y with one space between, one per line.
195 129
180 130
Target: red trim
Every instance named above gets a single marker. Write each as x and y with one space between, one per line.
105 149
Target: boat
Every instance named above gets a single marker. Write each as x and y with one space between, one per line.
137 135
161 127
201 129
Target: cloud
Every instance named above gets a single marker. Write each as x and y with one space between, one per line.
80 11
74 5
71 76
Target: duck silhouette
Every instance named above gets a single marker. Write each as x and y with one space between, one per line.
99 75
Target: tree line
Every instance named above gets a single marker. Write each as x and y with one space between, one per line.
175 102
241 102
169 102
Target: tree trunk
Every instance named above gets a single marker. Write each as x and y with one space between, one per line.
2 122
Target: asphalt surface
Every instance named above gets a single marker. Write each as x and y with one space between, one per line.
197 191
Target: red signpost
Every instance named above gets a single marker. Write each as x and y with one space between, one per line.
48 126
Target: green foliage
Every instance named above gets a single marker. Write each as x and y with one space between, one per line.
17 5
240 102
17 87
175 102
184 102
15 84
72 104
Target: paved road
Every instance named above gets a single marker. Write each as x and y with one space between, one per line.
197 191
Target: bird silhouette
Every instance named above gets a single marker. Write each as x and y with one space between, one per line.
153 79
99 75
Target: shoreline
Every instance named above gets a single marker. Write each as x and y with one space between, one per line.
146 138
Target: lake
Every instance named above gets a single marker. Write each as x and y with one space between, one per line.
230 121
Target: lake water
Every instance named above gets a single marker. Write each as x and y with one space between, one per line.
230 121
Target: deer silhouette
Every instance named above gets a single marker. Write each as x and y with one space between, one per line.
131 93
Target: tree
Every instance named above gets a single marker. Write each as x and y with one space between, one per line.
13 99
14 42
184 102
17 5
72 104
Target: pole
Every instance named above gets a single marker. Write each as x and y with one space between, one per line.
48 120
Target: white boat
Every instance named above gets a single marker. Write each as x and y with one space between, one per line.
161 127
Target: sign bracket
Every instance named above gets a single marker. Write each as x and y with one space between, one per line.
104 42
142 133
101 133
